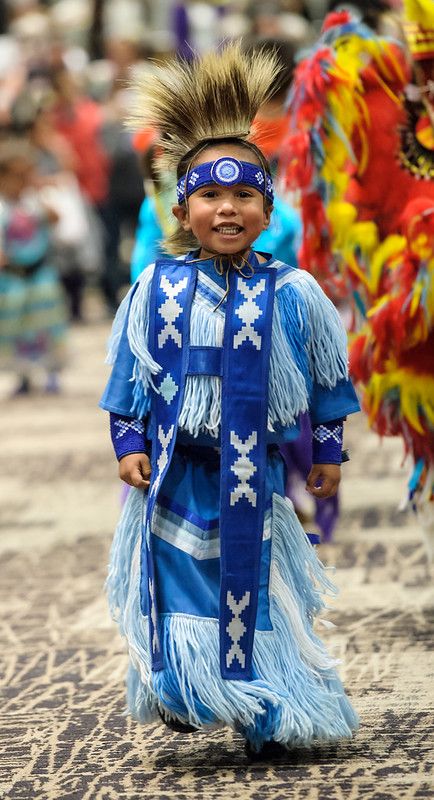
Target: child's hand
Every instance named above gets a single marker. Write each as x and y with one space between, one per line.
135 469
323 480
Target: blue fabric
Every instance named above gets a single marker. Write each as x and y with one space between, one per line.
198 592
205 361
147 247
127 435
246 361
283 235
327 438
191 491
172 290
332 403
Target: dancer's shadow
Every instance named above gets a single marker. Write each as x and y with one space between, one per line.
200 753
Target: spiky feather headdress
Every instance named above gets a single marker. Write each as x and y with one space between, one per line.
217 95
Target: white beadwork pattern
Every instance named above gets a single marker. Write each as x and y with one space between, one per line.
130 425
155 642
259 177
170 310
236 628
168 388
322 433
249 312
181 189
164 440
243 468
193 178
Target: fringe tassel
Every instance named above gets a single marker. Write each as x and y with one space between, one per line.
288 395
201 408
117 584
327 340
117 328
295 697
138 328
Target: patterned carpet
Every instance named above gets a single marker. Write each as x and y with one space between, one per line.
63 733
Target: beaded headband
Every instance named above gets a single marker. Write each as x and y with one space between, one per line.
225 171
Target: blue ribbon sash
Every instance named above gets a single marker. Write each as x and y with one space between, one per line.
246 358
170 304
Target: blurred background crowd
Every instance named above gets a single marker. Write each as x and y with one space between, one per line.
64 71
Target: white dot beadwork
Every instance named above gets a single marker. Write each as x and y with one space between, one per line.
193 178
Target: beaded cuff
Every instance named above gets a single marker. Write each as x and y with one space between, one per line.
127 434
327 438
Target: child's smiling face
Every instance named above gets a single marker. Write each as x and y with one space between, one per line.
224 219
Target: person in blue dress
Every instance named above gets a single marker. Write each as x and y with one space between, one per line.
216 351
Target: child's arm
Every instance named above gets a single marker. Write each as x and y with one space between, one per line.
324 477
129 443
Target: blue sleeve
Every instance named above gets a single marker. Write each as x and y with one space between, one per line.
331 404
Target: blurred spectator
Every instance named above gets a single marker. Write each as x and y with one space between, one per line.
32 309
81 121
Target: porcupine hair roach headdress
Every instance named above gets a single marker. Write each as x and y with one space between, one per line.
214 98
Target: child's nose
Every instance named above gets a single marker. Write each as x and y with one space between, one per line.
227 207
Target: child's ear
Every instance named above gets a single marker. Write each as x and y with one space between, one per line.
181 214
267 214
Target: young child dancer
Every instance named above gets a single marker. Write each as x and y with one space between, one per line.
32 305
215 354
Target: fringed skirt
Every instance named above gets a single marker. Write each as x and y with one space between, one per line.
33 319
295 696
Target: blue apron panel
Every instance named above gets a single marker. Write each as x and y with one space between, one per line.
186 585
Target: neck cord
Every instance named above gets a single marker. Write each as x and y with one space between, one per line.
224 263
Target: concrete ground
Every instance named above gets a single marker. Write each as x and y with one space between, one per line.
63 734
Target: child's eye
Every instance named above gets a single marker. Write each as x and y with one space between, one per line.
210 193
244 193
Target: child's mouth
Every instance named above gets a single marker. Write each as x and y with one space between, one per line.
228 230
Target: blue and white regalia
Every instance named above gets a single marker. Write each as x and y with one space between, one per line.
212 580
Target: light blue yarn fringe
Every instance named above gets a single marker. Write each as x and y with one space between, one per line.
133 312
138 333
289 377
125 540
201 408
327 339
117 328
296 696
